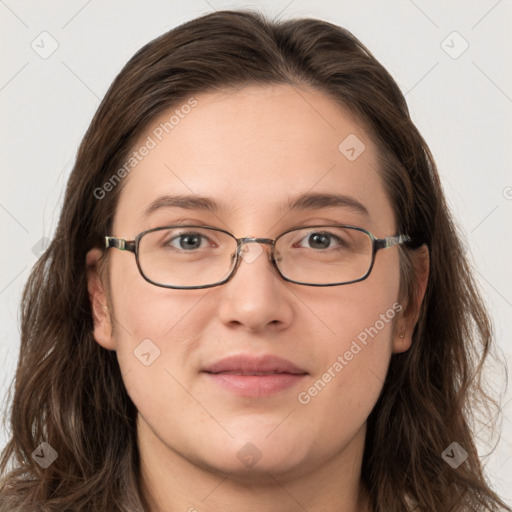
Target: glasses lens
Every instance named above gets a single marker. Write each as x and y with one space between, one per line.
324 255
186 256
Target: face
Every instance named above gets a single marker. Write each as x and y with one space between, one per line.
252 152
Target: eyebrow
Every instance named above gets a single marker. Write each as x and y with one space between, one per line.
306 201
315 201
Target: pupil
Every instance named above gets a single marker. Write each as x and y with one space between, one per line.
185 241
322 240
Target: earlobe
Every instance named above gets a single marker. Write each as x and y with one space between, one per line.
402 343
406 324
102 331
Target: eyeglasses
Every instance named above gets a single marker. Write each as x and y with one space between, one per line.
191 257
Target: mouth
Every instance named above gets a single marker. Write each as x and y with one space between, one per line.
252 376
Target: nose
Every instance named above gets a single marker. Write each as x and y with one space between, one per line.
253 296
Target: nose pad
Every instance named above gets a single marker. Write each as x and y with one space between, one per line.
276 256
251 251
249 256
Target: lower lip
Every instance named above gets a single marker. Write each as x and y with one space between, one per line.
256 385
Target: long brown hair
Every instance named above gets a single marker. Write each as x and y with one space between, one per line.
69 392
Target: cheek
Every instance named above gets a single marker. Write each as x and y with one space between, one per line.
359 311
360 346
159 332
143 310
346 387
157 329
356 348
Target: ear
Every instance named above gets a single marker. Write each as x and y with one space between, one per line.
99 305
407 322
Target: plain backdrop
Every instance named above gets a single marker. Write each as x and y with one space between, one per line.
451 60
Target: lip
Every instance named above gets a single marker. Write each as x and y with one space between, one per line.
243 364
252 376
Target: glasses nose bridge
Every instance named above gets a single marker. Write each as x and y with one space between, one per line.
251 239
255 240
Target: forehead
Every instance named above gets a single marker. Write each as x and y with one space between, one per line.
254 151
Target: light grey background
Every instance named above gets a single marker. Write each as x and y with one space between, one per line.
460 100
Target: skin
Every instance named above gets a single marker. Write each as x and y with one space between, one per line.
252 150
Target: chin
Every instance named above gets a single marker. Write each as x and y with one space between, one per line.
255 458
262 472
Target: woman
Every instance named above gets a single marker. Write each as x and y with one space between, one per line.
296 327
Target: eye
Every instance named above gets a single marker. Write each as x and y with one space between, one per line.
321 240
186 241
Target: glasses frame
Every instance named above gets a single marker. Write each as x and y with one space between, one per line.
133 246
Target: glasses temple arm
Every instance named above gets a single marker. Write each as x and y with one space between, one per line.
390 241
119 243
